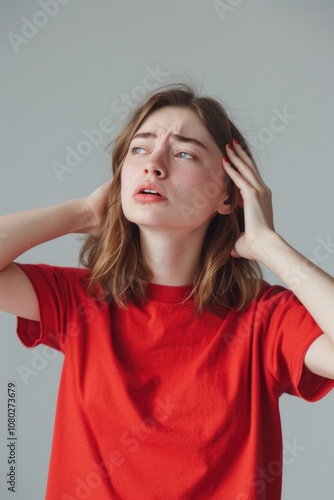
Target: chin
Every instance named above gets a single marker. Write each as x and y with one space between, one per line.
144 219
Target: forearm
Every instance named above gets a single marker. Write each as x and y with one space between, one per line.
23 230
313 287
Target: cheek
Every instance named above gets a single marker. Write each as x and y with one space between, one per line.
124 186
212 185
123 172
125 176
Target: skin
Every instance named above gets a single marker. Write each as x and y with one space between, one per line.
164 252
172 232
171 243
180 168
311 285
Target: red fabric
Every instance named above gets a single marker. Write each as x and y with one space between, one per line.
157 404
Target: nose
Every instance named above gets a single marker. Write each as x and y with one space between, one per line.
156 166
156 171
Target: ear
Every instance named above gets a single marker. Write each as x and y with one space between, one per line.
230 203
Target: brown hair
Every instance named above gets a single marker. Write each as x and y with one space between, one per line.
115 258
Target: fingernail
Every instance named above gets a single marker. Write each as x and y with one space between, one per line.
229 146
235 141
225 159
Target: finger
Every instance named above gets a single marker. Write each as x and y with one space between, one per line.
242 153
248 170
240 175
240 181
239 155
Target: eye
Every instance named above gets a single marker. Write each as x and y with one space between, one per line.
133 150
184 153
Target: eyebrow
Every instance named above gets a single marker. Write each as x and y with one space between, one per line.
177 137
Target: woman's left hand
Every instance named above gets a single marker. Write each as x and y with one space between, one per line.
256 200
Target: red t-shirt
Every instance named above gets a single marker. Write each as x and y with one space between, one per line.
156 404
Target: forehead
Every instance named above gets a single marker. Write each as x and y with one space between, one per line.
175 120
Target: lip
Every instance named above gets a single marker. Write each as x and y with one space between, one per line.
148 198
152 187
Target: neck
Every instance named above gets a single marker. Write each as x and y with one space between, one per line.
173 256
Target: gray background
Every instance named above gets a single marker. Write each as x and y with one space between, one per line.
255 56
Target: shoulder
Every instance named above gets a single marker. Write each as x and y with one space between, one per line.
56 276
48 268
275 303
274 294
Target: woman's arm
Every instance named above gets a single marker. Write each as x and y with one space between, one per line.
313 287
22 231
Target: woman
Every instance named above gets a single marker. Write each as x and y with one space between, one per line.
175 349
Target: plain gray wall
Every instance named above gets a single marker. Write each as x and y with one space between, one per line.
259 57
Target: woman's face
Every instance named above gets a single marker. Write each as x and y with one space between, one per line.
172 153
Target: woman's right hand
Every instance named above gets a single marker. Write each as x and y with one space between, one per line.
97 203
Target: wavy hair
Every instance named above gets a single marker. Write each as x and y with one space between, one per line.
114 257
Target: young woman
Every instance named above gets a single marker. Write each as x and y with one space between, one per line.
175 349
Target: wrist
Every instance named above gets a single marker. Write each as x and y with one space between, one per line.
81 218
269 248
284 261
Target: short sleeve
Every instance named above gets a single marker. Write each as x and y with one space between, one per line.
288 332
58 292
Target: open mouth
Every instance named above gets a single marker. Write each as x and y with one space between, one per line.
150 191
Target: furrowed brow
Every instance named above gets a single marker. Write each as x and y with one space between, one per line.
177 137
181 138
